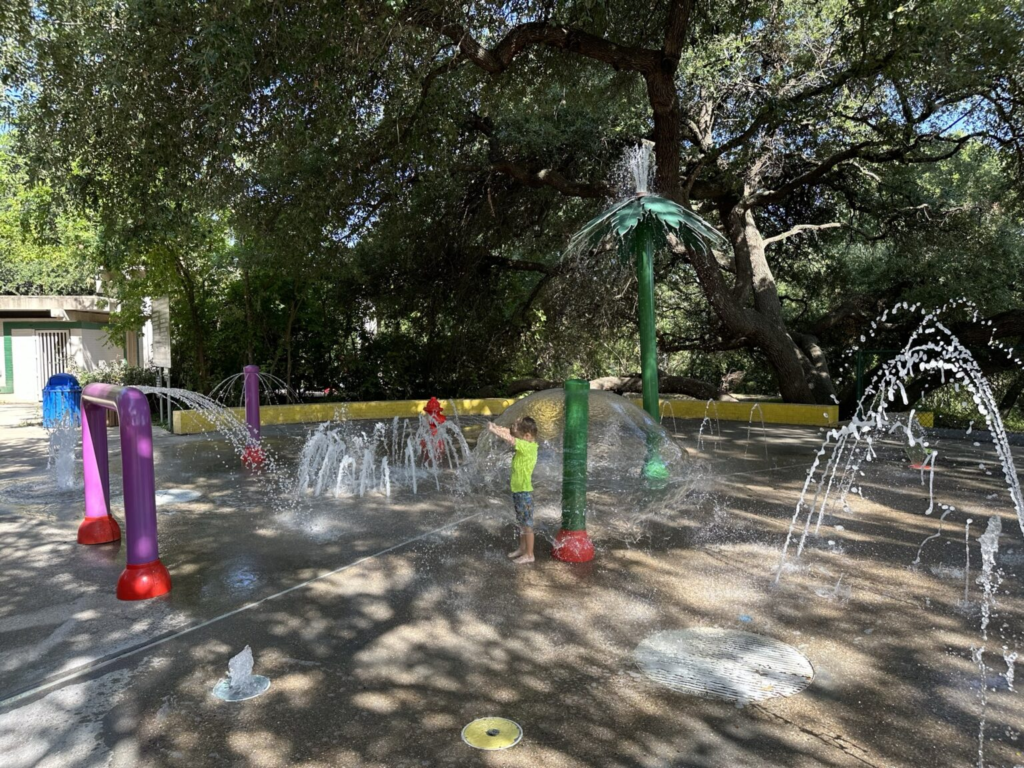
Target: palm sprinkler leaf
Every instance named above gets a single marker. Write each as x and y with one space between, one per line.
622 219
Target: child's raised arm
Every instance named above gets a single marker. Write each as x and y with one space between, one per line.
501 432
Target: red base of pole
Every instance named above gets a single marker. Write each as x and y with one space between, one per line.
98 530
141 582
573 547
253 457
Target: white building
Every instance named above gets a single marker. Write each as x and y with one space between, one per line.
44 335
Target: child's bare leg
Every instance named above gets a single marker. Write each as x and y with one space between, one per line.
526 545
519 550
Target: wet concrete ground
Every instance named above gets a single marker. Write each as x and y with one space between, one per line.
405 621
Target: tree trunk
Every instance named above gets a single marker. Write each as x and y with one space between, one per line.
250 356
519 386
761 324
196 317
292 312
1012 394
664 100
801 378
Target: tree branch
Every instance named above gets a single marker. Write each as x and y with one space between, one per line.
670 344
902 153
533 33
799 228
768 118
545 177
681 385
517 265
549 177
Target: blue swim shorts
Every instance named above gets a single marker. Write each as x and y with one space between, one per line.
523 502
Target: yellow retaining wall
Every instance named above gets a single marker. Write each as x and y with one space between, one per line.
925 419
191 422
772 413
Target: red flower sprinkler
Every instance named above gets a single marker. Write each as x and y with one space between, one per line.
253 456
435 418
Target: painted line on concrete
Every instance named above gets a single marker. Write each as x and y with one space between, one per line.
106 661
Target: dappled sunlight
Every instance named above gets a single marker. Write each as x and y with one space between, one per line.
426 625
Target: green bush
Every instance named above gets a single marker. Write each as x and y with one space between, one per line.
119 373
955 408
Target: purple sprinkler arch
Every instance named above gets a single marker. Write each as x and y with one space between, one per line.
144 576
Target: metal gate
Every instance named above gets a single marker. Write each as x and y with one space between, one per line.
51 354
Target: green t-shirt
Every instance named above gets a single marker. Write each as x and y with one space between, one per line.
522 466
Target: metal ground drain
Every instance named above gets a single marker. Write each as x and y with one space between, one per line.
723 664
492 733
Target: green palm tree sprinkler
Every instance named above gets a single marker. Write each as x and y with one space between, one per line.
639 225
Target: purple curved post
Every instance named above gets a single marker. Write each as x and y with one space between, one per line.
145 576
253 456
252 401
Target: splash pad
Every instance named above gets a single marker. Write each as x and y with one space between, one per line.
648 600
664 583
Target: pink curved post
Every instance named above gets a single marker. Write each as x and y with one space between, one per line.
144 575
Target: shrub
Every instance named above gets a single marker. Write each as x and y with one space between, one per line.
119 373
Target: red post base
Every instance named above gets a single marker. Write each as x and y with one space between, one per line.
573 547
141 582
253 457
98 530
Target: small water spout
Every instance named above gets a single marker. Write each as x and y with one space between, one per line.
967 562
764 433
640 166
931 349
337 459
241 683
990 579
1010 657
978 657
711 427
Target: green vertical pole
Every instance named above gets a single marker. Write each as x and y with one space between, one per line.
574 455
644 245
654 467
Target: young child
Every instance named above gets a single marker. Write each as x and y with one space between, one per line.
523 436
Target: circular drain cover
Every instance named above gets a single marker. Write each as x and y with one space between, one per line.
723 664
175 496
492 733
